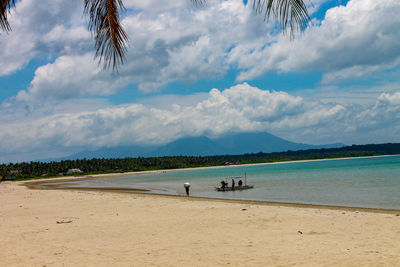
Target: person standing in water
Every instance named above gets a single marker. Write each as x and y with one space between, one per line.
187 186
233 183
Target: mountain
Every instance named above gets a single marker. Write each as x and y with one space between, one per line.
190 146
258 142
233 144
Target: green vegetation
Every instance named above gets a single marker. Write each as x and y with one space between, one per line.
94 166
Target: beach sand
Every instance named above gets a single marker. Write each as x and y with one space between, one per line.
87 228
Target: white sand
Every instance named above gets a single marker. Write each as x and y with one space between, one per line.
103 229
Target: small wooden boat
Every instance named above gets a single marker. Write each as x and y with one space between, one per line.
230 188
237 186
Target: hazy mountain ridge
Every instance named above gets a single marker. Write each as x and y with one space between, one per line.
233 144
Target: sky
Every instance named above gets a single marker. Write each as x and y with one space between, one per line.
198 71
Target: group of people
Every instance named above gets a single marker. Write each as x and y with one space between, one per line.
225 184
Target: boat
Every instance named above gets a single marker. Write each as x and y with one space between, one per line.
237 186
229 188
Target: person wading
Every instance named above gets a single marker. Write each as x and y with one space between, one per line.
187 186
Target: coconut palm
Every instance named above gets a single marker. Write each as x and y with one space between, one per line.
111 39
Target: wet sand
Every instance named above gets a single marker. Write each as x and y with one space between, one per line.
86 228
57 184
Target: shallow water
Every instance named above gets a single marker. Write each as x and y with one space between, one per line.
358 182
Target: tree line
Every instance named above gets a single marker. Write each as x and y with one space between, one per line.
34 169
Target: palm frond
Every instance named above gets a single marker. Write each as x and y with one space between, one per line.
292 13
110 38
5 6
198 3
289 13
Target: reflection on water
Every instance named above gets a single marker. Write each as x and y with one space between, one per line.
362 182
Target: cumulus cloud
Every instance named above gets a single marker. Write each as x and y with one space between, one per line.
174 41
169 42
186 44
391 99
156 6
68 128
351 41
241 108
177 42
386 112
71 77
40 29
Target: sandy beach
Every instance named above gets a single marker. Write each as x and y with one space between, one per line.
87 228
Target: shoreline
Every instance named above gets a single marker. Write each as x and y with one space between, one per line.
145 192
135 173
49 183
37 184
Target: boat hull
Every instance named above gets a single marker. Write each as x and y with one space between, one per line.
236 188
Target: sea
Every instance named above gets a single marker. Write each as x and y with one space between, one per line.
371 182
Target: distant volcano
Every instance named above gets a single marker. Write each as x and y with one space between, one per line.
232 144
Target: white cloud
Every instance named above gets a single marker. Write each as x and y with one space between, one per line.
385 113
241 108
174 41
155 5
379 122
71 77
393 99
351 41
86 124
169 42
34 27
61 33
186 44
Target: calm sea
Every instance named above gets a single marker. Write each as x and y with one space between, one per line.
358 182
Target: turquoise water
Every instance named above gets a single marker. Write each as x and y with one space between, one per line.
358 182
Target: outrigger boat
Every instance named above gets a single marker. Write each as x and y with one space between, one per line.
237 186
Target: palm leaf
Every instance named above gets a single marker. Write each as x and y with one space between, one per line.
292 13
5 6
198 2
289 13
110 37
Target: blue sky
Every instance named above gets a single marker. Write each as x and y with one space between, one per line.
198 71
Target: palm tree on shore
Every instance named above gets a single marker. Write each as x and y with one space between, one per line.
111 39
